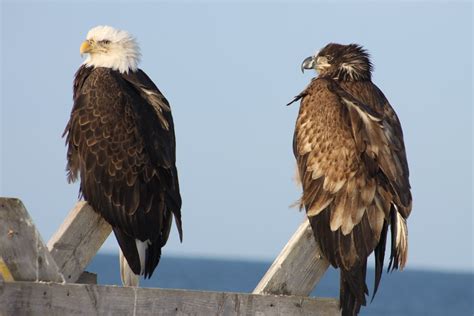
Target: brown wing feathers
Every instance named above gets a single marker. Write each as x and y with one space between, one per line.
126 177
161 140
353 169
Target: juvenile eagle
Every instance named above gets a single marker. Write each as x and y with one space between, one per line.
121 144
351 159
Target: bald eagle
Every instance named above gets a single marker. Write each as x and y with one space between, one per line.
121 144
351 159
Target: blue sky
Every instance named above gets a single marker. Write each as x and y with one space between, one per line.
228 70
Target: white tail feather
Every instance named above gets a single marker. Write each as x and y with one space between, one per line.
142 246
126 274
401 241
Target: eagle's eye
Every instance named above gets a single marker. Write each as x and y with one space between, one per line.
106 42
329 58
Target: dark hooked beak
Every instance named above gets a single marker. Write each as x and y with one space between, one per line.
308 63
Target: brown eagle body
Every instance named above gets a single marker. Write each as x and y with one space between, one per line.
351 159
121 143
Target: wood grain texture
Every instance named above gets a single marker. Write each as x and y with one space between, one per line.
77 240
20 298
21 246
5 274
87 278
297 269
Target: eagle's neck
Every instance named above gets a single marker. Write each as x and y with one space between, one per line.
354 69
123 59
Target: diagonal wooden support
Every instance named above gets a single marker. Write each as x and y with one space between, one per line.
24 257
298 268
82 234
77 240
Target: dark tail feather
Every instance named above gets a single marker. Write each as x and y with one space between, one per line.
379 257
353 290
129 250
393 264
152 258
179 225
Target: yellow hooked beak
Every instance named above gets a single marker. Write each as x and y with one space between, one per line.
85 47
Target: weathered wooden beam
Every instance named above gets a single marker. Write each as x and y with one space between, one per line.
298 268
5 274
20 298
77 240
23 253
87 278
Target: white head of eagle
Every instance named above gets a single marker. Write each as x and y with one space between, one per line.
111 48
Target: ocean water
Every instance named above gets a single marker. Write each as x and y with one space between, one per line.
411 292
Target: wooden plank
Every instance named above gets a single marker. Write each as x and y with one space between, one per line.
77 240
87 278
5 274
27 298
21 247
298 268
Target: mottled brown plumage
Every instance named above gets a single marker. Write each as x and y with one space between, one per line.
121 144
351 159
